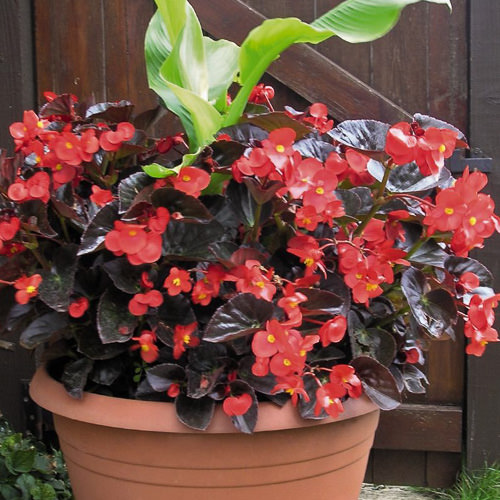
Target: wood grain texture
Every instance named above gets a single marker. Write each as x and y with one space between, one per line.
421 428
483 388
17 94
344 95
400 467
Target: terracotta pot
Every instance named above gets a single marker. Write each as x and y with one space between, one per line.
137 450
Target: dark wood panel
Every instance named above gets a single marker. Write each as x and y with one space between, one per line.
285 8
18 94
447 75
421 427
16 65
344 95
399 60
483 388
398 467
442 469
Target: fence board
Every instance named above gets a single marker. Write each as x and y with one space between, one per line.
17 80
483 389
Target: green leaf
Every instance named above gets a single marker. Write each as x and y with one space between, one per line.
365 20
203 117
173 15
222 66
261 47
186 65
19 461
159 171
43 491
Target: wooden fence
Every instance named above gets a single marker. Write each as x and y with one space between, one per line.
94 48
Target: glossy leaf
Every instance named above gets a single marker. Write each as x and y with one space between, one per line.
365 20
321 302
461 265
129 188
91 346
378 382
57 283
426 121
114 321
264 384
75 375
434 310
191 241
365 135
246 422
124 275
240 316
177 201
195 413
42 328
161 376
99 227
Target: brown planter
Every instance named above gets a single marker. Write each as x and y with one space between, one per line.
137 450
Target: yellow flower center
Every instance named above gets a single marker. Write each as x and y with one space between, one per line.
442 148
132 232
306 221
176 281
186 339
59 167
370 287
39 124
448 211
271 338
186 178
260 284
202 296
359 276
320 190
31 289
280 148
472 221
287 362
145 347
69 145
309 262
302 353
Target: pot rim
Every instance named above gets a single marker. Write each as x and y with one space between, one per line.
161 416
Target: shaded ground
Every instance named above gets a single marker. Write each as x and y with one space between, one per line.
376 492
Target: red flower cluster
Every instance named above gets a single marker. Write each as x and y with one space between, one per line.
465 212
427 148
479 324
142 243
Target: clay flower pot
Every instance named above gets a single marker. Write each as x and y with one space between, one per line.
133 450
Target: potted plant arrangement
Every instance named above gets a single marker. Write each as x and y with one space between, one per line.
264 276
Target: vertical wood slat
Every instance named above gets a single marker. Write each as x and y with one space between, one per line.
483 389
18 94
105 57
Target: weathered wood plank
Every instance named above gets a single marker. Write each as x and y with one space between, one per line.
17 80
483 389
399 467
344 95
421 428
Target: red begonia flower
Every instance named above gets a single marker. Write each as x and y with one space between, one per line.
333 330
183 336
235 406
146 344
177 281
191 180
27 287
100 196
112 140
78 307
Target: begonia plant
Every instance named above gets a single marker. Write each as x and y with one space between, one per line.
256 256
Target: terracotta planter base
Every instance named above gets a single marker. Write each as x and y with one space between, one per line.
317 460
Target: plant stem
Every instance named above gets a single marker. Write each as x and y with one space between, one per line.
256 226
40 258
376 205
